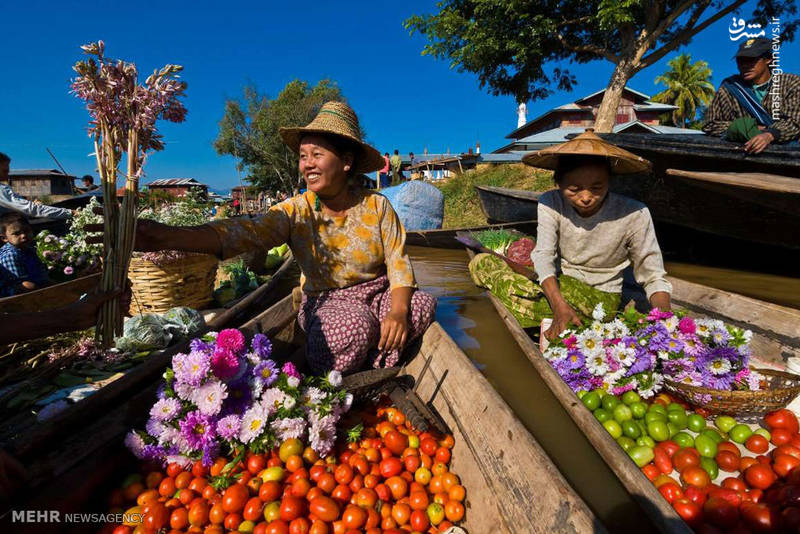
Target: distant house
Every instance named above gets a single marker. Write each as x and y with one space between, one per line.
178 187
37 183
636 114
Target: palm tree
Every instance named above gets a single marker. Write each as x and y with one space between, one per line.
688 87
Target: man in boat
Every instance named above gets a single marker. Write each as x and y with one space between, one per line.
88 183
10 201
586 237
760 105
360 302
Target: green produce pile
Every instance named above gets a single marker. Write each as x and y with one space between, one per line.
497 240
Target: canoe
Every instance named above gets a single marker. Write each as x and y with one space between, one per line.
25 438
446 238
51 296
512 486
503 205
776 337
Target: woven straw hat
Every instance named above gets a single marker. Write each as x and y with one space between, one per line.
588 144
338 119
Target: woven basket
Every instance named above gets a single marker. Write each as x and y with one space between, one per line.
778 389
187 281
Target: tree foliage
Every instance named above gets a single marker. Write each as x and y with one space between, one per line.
688 86
248 130
518 47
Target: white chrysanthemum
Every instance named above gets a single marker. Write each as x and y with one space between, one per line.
663 355
335 378
293 381
747 335
253 423
555 354
289 402
703 327
598 314
312 396
589 342
719 366
596 364
272 399
626 356
598 328
671 323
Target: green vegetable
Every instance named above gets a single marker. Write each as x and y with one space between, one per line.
496 240
642 455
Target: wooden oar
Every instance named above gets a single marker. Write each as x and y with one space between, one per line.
470 242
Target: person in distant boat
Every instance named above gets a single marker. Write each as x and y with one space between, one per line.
760 105
88 183
396 162
586 237
361 305
11 202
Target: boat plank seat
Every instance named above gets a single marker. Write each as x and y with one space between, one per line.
749 180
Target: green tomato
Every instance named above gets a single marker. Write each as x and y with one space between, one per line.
646 441
622 413
683 439
602 415
678 418
641 455
673 429
706 446
654 416
764 433
725 422
658 430
631 429
630 397
582 393
273 474
710 466
639 409
713 434
675 407
657 408
740 433
696 422
613 428
626 443
610 402
591 400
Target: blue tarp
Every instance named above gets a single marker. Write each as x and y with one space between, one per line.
419 205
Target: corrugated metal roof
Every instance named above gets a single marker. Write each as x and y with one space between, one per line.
174 182
38 172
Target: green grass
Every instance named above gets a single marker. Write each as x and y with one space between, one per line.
461 204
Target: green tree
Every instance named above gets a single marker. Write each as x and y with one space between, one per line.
688 86
248 130
519 47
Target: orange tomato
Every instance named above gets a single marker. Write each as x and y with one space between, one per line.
343 474
457 493
695 476
216 467
397 486
216 515
232 521
166 488
294 462
324 508
234 498
454 511
401 513
179 518
198 514
449 480
442 455
183 479
153 479
354 517
366 498
418 500
650 471
439 468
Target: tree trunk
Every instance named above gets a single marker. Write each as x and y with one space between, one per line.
607 112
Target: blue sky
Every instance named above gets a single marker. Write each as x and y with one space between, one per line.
405 100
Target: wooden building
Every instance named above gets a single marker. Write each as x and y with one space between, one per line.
178 187
38 183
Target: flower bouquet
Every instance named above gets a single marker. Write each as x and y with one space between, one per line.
71 256
225 397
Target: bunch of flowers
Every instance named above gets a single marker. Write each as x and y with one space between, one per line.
225 397
638 352
71 256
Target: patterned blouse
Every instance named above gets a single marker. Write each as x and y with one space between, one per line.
332 252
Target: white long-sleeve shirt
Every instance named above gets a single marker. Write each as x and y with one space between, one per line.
10 201
597 249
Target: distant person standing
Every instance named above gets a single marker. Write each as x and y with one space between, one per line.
396 162
88 183
237 206
383 174
11 202
413 161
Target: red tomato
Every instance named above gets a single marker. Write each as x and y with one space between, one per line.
662 461
198 514
354 517
342 493
324 508
326 482
269 491
391 467
301 525
689 510
291 508
670 492
419 521
428 446
746 462
695 476
695 494
760 476
277 527
256 463
734 483
727 461
783 419
668 446
232 521
721 513
732 496
253 509
790 518
234 498
174 470
343 474
759 517
757 444
650 471
781 436
791 450
730 447
783 464
685 458
157 516
395 441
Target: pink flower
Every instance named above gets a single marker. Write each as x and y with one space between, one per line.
687 326
290 370
68 270
570 341
230 339
224 363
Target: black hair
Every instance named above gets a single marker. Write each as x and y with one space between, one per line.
570 163
4 158
7 219
385 153
396 151
88 177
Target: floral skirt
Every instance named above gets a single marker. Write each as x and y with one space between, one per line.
343 326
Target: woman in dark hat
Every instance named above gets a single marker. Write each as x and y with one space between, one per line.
359 293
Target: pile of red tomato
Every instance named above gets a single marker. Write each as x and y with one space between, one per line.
393 480
762 493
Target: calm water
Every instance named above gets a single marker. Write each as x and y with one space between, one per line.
469 317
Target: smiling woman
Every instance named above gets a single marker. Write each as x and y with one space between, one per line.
359 292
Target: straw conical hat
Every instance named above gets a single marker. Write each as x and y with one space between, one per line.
588 144
338 119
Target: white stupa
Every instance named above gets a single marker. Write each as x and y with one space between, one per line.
522 111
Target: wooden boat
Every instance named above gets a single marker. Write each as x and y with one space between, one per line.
446 238
512 486
24 437
503 205
776 337
51 296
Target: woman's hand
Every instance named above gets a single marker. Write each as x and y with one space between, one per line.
563 317
394 331
85 311
661 300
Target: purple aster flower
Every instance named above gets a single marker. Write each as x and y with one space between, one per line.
261 345
134 443
230 339
197 429
690 377
209 397
153 452
721 382
644 362
210 453
161 393
198 345
194 369
239 396
575 359
165 409
154 427
289 427
676 367
266 372
692 345
322 435
290 370
224 362
184 391
229 426
720 336
659 343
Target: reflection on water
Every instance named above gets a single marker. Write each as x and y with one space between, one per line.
471 320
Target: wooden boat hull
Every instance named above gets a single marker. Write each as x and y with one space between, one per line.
503 205
512 486
447 238
50 297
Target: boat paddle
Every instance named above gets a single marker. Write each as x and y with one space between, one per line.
472 243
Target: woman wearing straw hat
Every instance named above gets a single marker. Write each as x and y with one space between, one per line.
359 291
586 238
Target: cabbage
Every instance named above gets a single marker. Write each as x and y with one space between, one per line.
144 332
184 321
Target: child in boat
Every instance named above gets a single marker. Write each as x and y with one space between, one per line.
586 238
20 268
360 300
